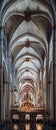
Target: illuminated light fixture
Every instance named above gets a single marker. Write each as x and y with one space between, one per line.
27 117
27 126
15 127
39 117
15 116
39 127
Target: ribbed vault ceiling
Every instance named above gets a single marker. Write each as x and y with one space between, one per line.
29 28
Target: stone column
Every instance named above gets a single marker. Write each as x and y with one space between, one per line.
8 85
38 103
54 71
35 94
1 75
11 97
6 99
41 83
1 92
51 92
51 77
47 88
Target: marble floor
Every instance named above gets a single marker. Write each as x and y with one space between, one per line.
27 126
